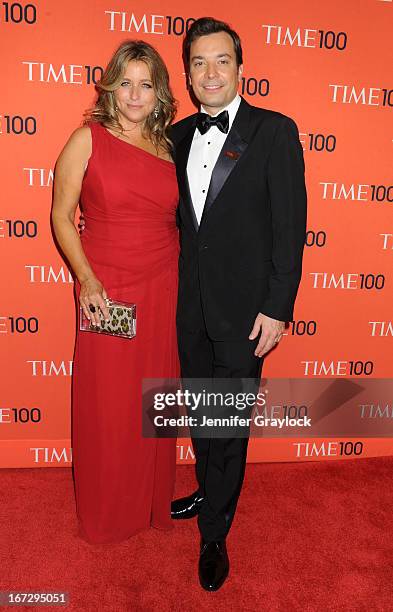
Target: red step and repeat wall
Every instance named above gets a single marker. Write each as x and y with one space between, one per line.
325 64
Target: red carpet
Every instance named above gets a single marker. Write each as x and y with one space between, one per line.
307 537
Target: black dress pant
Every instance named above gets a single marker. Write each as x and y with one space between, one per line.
220 462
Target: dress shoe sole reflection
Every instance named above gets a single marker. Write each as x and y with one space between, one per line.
186 507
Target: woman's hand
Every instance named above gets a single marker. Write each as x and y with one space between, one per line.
93 294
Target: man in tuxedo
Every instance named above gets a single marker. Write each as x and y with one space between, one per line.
242 220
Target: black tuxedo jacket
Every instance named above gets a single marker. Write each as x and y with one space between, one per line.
246 255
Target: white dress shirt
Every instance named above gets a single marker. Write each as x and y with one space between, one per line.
204 152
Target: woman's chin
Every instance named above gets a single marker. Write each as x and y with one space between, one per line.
135 117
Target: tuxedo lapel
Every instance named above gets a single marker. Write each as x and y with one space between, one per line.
182 154
233 148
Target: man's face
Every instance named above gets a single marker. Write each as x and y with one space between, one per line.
214 74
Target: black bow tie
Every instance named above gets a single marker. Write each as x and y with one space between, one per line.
204 122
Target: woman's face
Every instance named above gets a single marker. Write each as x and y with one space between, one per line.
135 98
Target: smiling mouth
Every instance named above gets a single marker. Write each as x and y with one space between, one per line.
212 87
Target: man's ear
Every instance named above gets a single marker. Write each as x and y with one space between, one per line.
240 72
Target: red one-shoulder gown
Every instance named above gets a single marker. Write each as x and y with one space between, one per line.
124 482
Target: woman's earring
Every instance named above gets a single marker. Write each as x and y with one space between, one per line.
156 112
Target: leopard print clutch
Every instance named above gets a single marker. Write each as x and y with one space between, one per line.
122 321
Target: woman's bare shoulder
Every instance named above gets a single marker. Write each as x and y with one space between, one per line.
81 136
79 144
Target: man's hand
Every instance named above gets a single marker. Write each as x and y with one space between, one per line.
271 333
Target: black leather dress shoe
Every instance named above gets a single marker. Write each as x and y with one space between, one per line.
213 565
186 507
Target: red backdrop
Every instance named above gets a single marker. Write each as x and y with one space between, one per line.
327 65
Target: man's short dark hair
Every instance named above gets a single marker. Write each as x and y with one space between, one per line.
208 25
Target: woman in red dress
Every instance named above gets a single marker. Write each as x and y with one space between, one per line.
119 168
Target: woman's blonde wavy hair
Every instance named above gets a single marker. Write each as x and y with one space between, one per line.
104 110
